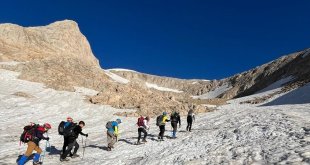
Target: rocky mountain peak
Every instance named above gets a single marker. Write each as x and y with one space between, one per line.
61 39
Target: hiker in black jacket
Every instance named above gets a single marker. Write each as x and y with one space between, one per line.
190 119
72 142
175 119
66 138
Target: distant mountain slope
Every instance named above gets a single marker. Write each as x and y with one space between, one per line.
295 65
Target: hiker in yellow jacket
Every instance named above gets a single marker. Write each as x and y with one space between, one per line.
162 119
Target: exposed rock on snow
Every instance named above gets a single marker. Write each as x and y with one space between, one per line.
23 94
147 102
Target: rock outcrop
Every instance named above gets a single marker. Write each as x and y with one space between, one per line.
61 39
145 101
58 55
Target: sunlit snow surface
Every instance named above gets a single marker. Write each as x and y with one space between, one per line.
234 134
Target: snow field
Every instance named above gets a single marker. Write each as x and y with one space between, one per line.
233 134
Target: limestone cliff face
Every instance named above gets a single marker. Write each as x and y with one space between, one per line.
61 39
57 55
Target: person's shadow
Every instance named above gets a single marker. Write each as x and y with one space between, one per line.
153 137
126 141
100 147
52 150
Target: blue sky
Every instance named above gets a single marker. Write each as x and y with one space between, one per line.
184 39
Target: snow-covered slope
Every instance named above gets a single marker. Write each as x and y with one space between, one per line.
298 96
276 85
155 86
213 94
117 78
234 134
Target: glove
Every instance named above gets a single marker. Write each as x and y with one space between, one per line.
47 138
86 135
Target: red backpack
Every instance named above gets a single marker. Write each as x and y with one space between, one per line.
140 121
29 132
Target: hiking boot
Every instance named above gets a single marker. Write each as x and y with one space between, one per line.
65 159
75 156
144 141
37 163
109 149
138 143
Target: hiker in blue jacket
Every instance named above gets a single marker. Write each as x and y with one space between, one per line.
112 133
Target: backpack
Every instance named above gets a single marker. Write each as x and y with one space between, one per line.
109 125
68 131
159 119
61 128
140 121
28 133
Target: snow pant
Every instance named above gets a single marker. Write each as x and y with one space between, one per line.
70 147
111 138
32 146
66 142
140 130
161 131
175 128
189 125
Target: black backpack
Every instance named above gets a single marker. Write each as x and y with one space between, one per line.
28 133
159 119
61 128
68 131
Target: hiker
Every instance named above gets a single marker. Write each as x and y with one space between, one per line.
190 119
72 136
32 137
143 126
66 124
161 122
175 119
112 133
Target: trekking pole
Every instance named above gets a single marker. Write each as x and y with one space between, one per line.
46 144
84 147
43 156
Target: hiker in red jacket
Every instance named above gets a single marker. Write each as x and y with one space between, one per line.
33 139
143 127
